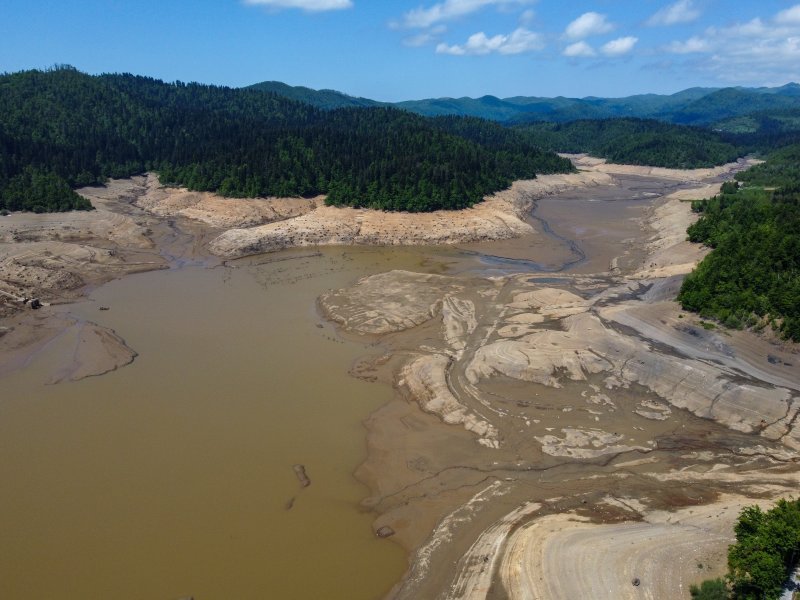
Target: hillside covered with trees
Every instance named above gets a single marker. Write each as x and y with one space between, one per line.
695 106
696 127
61 129
636 142
752 275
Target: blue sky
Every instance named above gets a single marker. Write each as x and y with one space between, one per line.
397 50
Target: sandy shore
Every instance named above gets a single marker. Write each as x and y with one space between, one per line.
501 216
556 556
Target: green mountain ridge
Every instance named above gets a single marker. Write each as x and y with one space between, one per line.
61 129
325 99
692 106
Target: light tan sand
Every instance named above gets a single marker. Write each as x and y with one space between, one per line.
565 556
590 163
500 216
52 256
217 211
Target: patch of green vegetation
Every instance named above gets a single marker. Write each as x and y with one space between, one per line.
752 274
742 124
710 589
782 169
637 142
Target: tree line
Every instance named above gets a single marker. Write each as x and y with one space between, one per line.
61 129
637 142
751 278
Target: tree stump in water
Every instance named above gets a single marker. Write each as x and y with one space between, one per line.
300 471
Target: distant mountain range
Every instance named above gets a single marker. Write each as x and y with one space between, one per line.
694 106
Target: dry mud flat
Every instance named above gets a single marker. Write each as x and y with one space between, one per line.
540 418
140 225
592 396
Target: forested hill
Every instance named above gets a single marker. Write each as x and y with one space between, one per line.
752 276
637 142
327 99
695 106
61 128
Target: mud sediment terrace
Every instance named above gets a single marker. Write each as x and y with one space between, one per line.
536 417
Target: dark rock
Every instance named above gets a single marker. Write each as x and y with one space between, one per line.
384 532
635 582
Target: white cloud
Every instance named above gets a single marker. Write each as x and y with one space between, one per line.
450 9
522 40
421 39
425 37
527 17
692 45
790 16
748 53
590 23
619 46
307 5
519 41
579 49
682 11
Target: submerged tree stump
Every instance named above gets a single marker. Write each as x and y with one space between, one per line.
300 471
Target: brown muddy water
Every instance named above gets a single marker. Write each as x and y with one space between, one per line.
580 230
171 477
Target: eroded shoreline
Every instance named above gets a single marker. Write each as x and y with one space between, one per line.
489 430
589 397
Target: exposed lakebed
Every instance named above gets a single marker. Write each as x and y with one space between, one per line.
173 476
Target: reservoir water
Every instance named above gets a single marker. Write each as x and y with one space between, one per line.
172 477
